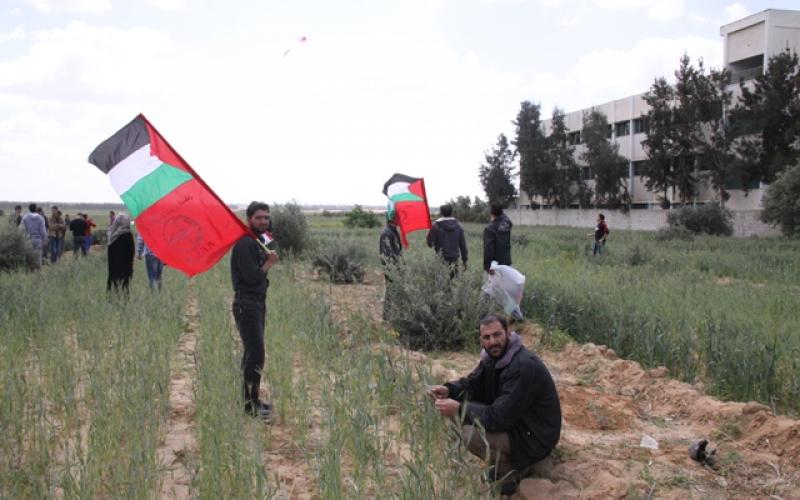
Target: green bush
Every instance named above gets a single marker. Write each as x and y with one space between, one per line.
289 227
429 309
467 210
359 217
782 202
16 251
341 262
709 219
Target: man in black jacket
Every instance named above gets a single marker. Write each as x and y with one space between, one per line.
446 237
250 262
391 249
497 239
510 399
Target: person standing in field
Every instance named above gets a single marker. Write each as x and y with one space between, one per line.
16 218
600 235
152 263
446 237
77 227
56 231
497 239
250 263
46 245
111 216
120 254
511 409
35 228
391 250
87 240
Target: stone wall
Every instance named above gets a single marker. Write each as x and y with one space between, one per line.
745 223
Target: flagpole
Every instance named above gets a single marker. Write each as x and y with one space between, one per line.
203 183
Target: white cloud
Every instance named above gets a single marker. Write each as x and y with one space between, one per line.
604 75
85 6
735 11
657 10
17 33
169 5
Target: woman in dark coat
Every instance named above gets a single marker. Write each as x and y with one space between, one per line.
121 251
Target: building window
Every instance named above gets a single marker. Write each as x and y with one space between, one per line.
586 173
574 138
638 167
623 128
641 125
610 131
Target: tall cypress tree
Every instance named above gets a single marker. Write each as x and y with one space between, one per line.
658 145
531 147
686 129
561 160
716 145
768 118
498 172
608 167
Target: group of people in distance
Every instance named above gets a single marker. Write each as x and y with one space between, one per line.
47 235
508 405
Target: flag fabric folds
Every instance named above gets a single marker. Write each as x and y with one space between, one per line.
182 220
408 204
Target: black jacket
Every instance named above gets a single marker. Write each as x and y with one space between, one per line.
447 238
249 281
497 242
78 227
390 247
517 395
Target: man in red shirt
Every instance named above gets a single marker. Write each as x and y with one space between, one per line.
600 235
87 236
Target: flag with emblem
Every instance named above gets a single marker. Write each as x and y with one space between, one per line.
408 204
182 220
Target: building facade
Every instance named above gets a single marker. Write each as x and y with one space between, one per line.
747 46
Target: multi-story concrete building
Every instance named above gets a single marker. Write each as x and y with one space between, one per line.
747 46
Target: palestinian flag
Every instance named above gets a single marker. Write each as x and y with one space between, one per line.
180 218
408 204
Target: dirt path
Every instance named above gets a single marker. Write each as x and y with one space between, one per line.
610 404
178 451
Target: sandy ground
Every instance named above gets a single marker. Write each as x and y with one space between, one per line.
610 404
178 450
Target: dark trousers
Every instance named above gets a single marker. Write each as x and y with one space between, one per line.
250 319
77 245
154 269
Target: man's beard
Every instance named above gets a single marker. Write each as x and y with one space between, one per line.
502 351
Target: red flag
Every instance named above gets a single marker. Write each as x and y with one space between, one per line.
182 220
408 204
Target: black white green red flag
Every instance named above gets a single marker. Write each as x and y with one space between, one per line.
408 204
182 220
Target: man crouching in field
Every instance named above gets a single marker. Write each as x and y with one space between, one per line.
250 262
512 397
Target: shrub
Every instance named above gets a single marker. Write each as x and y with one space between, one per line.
289 227
703 219
429 309
341 262
16 251
674 233
466 210
359 217
636 256
520 240
782 202
99 237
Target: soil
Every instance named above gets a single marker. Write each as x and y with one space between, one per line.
609 404
178 449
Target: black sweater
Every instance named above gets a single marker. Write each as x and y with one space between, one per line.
517 396
249 281
497 242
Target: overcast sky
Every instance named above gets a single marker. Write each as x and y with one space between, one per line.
420 87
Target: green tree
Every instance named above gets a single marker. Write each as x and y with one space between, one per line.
608 167
768 117
716 147
560 160
531 146
686 128
497 173
658 145
782 202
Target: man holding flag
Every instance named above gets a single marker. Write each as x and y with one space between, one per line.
190 228
250 262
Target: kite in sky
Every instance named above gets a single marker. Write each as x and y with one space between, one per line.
182 220
408 204
300 40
